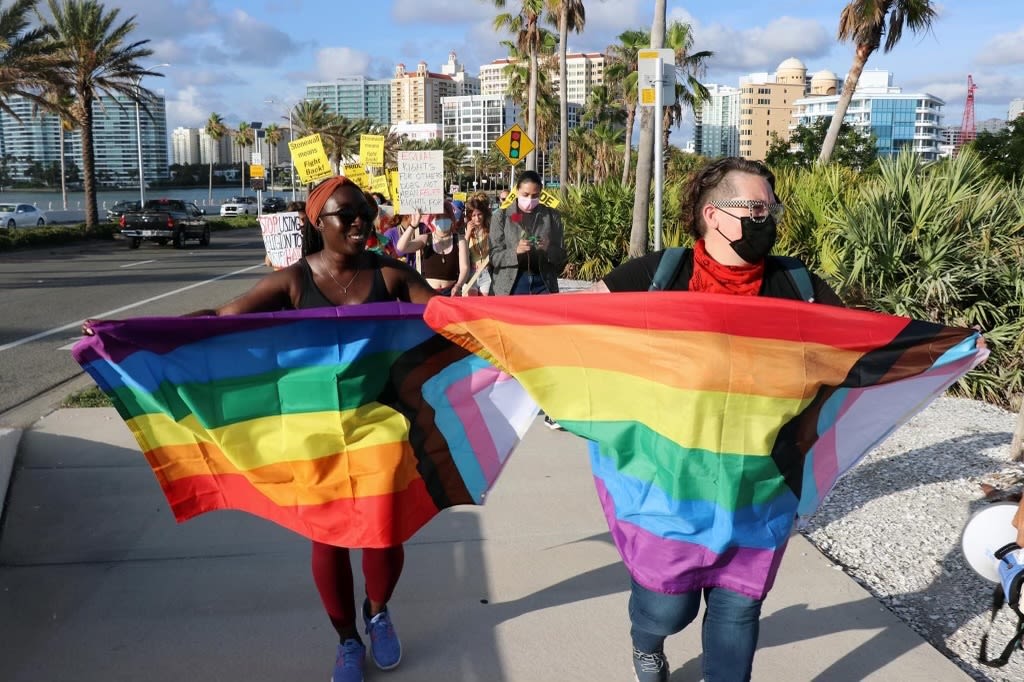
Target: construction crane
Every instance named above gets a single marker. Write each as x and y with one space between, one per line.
967 129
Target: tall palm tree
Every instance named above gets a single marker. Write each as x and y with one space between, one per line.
97 58
273 134
645 152
311 117
215 130
622 69
27 58
244 136
864 22
690 92
569 15
525 26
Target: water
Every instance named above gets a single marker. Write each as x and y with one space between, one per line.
51 201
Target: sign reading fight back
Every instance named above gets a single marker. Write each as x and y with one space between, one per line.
310 159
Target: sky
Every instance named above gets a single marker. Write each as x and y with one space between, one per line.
251 60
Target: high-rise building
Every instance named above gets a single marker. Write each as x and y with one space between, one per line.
214 151
185 146
115 142
355 97
717 123
476 121
766 106
896 119
584 72
416 96
1016 109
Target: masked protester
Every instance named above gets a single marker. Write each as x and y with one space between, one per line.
526 243
732 214
445 257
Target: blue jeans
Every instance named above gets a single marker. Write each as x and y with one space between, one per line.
529 283
729 631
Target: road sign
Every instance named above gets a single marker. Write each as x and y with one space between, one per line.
256 171
257 158
647 76
514 144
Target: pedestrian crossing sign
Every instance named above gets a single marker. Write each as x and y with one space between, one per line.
514 144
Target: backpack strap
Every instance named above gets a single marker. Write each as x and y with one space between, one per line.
798 275
668 268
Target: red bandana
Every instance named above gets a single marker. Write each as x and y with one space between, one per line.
712 277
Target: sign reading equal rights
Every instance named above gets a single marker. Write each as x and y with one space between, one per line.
421 181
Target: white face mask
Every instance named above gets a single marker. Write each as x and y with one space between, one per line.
528 203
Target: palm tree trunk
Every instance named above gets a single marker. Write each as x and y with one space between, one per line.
531 111
209 195
89 166
563 112
860 58
627 161
638 235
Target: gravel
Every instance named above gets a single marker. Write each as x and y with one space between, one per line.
894 523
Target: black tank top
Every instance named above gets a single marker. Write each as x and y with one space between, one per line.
441 266
312 297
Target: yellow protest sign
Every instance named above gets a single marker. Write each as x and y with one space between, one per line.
459 196
379 183
549 199
310 159
357 174
393 183
371 150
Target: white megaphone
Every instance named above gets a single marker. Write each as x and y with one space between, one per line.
988 531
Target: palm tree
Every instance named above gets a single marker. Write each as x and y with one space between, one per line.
27 58
622 69
311 117
525 26
58 102
244 136
392 140
570 15
215 130
273 134
645 152
96 58
679 38
864 22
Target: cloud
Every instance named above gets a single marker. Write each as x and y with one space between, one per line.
762 49
443 11
256 43
993 88
1003 49
334 62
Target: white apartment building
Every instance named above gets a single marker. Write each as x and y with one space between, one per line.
419 131
185 146
211 150
584 72
717 123
476 121
1016 109
898 120
416 95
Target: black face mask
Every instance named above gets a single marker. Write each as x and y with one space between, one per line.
757 240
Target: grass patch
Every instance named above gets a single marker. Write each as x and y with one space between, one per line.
90 397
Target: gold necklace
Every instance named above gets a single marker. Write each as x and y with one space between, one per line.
344 289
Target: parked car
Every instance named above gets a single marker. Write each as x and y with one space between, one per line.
274 205
20 215
119 208
163 221
239 206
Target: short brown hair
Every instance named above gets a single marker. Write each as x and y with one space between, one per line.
708 179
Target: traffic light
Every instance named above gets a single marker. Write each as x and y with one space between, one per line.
513 147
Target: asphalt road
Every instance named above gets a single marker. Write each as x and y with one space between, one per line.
45 294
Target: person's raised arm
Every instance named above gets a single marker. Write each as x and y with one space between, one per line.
273 292
463 265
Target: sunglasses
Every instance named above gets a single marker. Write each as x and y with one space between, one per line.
347 216
758 210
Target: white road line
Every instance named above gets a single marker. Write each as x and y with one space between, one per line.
109 313
141 262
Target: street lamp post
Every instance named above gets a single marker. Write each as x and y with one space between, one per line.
138 134
291 109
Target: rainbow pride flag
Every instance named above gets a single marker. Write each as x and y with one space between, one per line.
353 426
716 419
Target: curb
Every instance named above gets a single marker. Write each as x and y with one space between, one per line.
9 440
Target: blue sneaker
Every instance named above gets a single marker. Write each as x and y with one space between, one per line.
650 667
384 644
348 667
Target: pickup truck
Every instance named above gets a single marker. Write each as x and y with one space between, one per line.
165 220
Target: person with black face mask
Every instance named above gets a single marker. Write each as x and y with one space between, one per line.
732 215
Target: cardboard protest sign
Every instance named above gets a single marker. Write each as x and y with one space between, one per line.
379 183
282 237
357 174
371 150
394 183
310 159
422 181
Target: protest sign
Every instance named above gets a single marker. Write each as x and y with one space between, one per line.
422 181
310 159
282 237
357 174
371 150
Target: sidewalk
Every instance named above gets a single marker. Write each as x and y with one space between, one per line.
97 582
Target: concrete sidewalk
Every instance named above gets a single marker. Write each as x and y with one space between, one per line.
97 582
